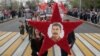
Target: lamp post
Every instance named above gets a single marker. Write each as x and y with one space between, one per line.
5 3
80 8
10 4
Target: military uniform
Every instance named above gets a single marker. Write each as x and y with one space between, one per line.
21 29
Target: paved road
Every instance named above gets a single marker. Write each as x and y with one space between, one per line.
85 27
12 44
13 25
87 44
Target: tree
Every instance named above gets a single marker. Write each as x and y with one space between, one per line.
86 3
75 3
15 5
31 4
97 4
11 5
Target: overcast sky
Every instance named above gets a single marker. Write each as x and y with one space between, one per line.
22 0
28 0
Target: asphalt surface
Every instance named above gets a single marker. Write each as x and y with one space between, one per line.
85 27
13 26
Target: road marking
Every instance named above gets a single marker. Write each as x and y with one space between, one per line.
93 43
28 51
90 47
22 47
5 35
3 41
97 37
77 51
97 41
83 48
7 44
85 45
14 46
97 34
2 33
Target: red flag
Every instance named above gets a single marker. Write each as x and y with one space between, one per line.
53 5
43 28
63 8
43 6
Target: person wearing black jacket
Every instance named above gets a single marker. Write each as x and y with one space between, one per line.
71 41
94 18
13 13
19 13
30 31
21 28
26 26
36 43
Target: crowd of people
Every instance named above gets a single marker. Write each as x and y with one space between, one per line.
92 15
10 14
36 38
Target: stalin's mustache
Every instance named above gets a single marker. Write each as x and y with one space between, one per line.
55 33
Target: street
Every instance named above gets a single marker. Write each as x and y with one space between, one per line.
13 26
87 40
51 33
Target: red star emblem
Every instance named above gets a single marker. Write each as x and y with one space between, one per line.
42 26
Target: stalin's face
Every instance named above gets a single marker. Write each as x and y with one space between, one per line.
56 30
